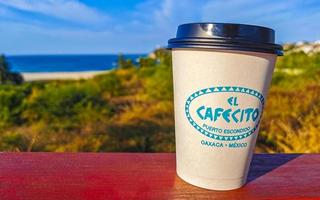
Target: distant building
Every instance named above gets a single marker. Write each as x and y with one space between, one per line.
306 47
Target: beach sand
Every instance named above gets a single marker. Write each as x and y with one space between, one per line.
44 76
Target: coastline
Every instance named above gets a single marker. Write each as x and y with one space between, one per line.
45 76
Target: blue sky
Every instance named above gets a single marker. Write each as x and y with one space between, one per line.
139 26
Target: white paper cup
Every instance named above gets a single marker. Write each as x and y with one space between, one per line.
219 95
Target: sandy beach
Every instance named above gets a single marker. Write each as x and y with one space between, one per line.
43 76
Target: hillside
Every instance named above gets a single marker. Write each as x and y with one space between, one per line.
131 109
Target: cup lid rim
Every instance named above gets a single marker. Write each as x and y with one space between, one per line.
232 36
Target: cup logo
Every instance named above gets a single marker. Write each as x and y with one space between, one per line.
225 113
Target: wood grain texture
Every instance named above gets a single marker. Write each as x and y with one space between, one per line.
59 176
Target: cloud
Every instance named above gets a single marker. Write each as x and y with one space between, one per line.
161 18
165 10
283 16
69 10
244 11
72 26
293 21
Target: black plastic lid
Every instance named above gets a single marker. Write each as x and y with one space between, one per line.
226 36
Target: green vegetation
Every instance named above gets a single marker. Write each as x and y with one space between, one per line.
131 109
6 76
291 121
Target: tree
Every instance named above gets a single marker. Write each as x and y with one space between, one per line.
6 76
123 63
147 62
163 56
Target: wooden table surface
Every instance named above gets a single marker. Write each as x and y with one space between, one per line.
59 176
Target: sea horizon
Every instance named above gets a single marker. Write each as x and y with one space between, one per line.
46 63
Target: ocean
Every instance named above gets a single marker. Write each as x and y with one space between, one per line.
66 63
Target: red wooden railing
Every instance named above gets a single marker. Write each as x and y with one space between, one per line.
79 176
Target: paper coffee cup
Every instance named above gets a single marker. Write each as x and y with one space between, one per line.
221 74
